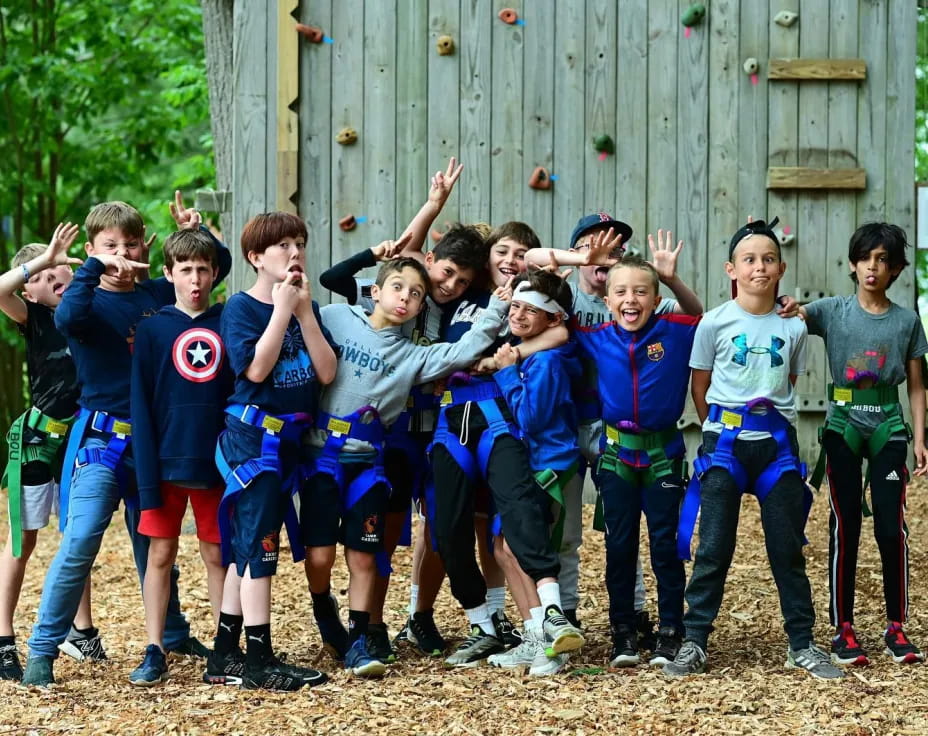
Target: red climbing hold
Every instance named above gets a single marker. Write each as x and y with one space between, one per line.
508 15
311 32
540 178
347 223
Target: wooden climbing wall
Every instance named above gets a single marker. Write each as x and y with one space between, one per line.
694 134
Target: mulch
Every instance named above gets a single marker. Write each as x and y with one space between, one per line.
747 690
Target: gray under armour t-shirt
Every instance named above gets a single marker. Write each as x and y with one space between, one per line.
866 347
751 356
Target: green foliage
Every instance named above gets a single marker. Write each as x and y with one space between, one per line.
921 135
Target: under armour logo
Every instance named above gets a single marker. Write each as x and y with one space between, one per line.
259 639
741 343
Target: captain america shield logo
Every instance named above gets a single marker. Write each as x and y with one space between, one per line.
197 355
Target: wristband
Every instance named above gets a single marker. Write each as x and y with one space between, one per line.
25 273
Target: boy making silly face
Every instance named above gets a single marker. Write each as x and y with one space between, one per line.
631 296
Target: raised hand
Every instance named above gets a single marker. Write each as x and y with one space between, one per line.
389 249
57 251
663 258
504 292
121 268
186 218
443 182
601 251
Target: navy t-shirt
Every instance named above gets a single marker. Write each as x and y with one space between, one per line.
291 386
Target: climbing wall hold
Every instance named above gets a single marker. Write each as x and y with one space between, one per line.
347 136
604 144
508 15
693 15
785 235
750 66
444 45
348 222
311 32
540 178
785 18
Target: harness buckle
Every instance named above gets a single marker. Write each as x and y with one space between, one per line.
242 483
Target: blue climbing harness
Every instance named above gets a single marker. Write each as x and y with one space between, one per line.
734 421
275 429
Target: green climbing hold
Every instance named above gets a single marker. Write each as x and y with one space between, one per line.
604 144
693 15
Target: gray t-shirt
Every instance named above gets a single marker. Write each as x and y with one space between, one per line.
751 356
865 348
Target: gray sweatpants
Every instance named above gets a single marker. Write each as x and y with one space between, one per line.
783 520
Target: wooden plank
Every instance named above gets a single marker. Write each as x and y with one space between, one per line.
506 125
871 111
900 145
600 103
571 149
288 92
783 141
818 69
538 111
316 134
347 110
444 101
724 215
249 133
691 221
631 153
807 177
477 18
270 90
379 150
412 119
752 113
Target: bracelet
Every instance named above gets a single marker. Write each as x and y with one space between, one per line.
25 273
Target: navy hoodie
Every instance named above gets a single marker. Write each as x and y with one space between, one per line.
181 382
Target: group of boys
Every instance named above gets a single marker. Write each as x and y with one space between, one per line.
464 385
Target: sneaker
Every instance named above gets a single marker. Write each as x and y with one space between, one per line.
563 636
422 632
333 633
359 661
39 671
506 630
624 647
814 661
845 649
668 644
571 615
310 677
272 675
190 647
378 643
402 636
690 660
84 647
225 669
474 649
519 657
153 670
645 628
543 665
10 668
899 647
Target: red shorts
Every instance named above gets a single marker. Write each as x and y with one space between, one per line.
165 521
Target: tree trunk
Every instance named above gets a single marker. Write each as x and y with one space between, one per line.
12 399
217 35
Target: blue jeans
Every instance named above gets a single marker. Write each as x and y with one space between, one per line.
94 496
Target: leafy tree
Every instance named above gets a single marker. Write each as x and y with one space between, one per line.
101 99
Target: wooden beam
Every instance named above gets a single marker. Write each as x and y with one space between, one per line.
800 177
288 93
817 69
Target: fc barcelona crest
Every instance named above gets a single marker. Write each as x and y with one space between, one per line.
655 351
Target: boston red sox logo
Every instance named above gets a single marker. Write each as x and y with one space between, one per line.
197 354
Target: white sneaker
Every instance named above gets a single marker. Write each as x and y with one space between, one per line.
519 657
543 665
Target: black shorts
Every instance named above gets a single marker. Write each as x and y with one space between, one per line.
324 521
407 472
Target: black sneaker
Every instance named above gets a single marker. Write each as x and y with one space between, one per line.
645 629
275 675
507 632
332 630
845 649
39 671
225 669
402 636
624 647
571 615
190 647
10 668
899 647
474 649
668 644
378 643
422 632
84 647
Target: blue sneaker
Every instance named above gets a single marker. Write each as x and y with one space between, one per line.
332 630
360 663
153 670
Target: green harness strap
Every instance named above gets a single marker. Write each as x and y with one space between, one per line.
886 398
18 455
651 443
553 484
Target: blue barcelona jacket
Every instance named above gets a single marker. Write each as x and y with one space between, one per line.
643 375
181 382
539 395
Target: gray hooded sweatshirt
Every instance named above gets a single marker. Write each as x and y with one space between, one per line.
378 368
